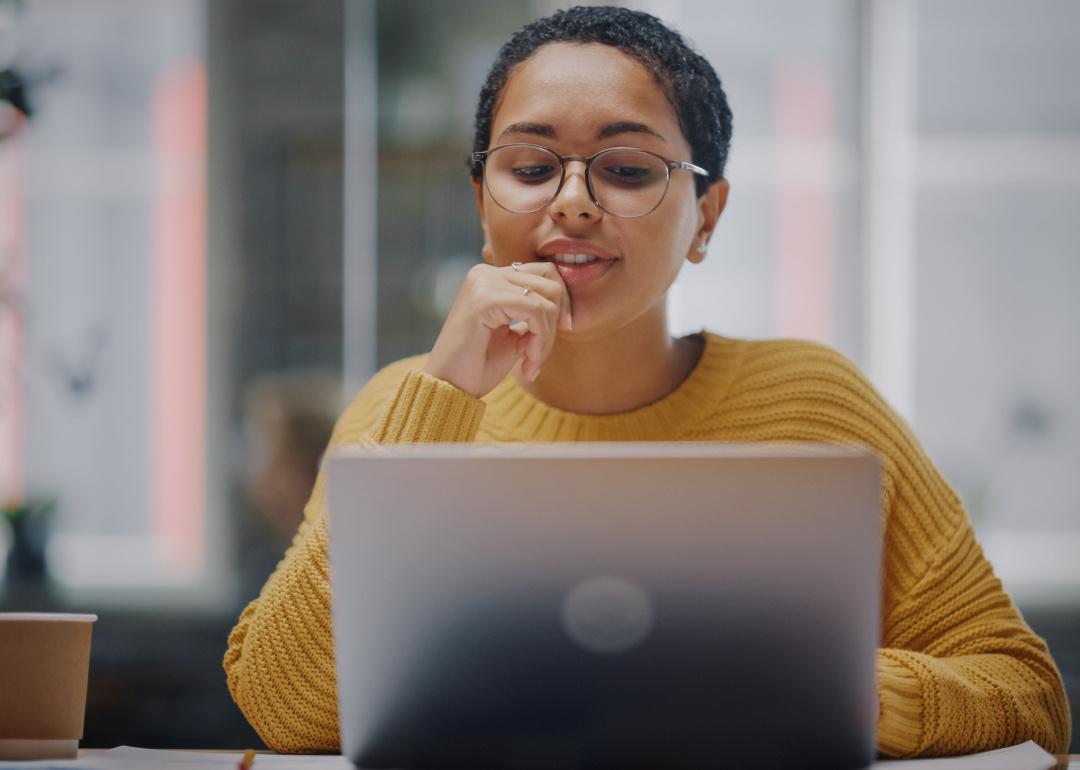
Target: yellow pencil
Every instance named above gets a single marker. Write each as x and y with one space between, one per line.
248 760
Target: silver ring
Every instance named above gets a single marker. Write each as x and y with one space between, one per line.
527 291
515 265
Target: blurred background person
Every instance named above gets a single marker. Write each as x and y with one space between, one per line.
288 419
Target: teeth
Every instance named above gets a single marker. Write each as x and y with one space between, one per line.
575 259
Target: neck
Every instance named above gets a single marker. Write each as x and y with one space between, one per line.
637 365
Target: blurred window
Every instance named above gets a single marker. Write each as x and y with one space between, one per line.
996 263
111 290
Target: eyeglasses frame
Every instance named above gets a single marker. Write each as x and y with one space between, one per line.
670 165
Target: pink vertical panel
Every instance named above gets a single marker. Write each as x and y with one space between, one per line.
178 313
803 108
12 290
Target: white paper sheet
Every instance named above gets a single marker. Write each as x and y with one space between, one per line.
1026 756
131 758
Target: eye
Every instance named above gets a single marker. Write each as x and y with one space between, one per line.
628 175
537 173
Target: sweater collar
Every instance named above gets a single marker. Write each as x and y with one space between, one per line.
517 415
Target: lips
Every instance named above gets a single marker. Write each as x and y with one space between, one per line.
553 248
569 256
576 276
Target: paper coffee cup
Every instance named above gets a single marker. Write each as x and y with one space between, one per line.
44 665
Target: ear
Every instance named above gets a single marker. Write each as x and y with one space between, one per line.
485 251
710 207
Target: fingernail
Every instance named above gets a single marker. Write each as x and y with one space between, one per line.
535 375
570 321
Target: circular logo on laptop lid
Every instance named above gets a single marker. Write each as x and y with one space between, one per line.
607 614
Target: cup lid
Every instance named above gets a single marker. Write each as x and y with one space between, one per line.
72 617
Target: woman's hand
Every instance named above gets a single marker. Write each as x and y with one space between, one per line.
477 346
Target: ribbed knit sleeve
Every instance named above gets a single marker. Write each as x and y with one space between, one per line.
279 663
958 670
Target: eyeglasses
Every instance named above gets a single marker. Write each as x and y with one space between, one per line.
623 181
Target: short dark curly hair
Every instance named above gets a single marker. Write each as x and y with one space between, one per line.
688 80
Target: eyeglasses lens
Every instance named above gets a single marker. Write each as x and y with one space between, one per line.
626 183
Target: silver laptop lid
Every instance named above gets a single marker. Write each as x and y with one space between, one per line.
606 604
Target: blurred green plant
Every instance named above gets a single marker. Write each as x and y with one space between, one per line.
15 511
29 521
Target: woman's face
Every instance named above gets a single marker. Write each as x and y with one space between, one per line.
578 99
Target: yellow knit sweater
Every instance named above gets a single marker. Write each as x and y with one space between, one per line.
958 670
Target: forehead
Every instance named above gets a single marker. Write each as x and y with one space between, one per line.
579 88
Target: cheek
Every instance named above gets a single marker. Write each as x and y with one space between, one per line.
658 248
683 218
665 240
509 234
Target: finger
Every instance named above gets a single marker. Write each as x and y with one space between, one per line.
545 278
525 348
521 313
521 329
531 359
531 307
540 284
552 273
566 320
541 315
518 326
536 350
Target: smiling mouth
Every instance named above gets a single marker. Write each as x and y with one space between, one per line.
574 258
578 274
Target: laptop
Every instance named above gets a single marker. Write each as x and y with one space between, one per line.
606 605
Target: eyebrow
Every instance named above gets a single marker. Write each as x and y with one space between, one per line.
626 127
606 132
537 129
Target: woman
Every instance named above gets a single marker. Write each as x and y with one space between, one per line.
579 252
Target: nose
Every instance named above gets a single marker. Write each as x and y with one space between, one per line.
574 201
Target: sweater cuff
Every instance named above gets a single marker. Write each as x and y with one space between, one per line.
427 409
900 725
